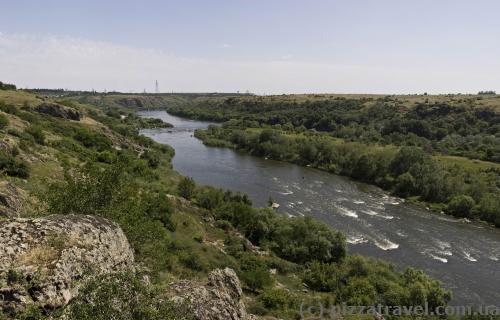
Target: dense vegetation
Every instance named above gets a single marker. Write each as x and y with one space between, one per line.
458 125
7 86
400 160
102 166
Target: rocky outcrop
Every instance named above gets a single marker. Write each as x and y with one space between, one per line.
59 111
43 261
219 299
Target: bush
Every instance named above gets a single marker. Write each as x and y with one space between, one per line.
158 207
123 296
4 121
8 108
461 206
186 188
37 133
322 276
302 240
278 299
210 199
87 191
92 139
152 157
13 167
254 272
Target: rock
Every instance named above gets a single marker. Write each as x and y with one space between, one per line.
10 200
219 299
44 260
59 111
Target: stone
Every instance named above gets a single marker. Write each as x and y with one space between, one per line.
43 261
219 299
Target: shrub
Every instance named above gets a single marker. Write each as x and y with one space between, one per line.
322 276
461 206
4 121
92 139
152 157
210 199
254 272
8 108
37 133
186 188
277 299
13 167
123 296
158 207
302 240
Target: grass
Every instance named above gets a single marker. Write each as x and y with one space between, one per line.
466 163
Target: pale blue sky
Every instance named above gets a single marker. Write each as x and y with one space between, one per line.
273 46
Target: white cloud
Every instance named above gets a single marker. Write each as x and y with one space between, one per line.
226 45
65 62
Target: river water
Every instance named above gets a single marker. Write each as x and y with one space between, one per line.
464 256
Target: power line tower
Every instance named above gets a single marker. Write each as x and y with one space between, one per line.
157 89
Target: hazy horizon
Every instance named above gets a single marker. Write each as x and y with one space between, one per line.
264 47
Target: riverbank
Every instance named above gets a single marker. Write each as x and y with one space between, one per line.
464 256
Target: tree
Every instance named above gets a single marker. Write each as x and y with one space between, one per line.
186 188
406 158
302 240
405 185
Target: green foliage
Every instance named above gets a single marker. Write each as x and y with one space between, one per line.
304 239
13 167
158 207
152 157
254 272
210 198
461 206
37 133
186 188
279 299
7 86
407 172
91 190
298 240
122 296
364 281
4 121
91 139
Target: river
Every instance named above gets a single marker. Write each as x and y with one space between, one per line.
464 256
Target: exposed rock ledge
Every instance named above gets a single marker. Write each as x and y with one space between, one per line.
43 260
219 299
59 111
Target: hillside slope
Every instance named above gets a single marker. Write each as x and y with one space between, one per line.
97 164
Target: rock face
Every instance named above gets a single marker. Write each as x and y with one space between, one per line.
59 111
43 260
219 299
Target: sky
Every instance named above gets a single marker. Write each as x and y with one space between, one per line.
261 46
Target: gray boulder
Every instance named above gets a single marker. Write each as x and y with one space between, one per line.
43 261
219 299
